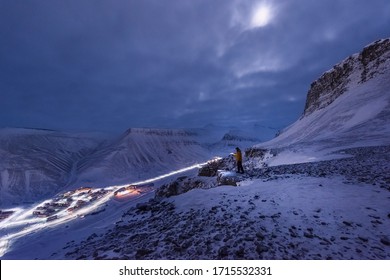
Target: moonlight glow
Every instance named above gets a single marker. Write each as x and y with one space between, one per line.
261 16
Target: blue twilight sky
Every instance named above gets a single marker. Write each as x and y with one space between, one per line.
93 65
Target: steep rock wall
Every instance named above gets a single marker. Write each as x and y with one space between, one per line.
358 68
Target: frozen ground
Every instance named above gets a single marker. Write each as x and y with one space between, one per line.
336 209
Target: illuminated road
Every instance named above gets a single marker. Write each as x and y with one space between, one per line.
23 221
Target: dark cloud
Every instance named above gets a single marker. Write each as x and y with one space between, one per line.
110 65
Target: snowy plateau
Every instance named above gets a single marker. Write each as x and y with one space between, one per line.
319 190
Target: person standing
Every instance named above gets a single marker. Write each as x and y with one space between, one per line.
238 156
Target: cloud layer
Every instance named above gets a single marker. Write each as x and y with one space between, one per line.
110 65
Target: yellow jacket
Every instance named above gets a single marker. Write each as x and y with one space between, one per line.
238 156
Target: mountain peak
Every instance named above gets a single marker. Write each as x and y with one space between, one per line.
359 68
348 105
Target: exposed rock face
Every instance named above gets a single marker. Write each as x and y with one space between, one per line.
212 167
255 152
231 137
183 185
373 59
227 178
358 68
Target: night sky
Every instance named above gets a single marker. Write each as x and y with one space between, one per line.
86 65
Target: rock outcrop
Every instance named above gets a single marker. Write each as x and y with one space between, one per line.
358 68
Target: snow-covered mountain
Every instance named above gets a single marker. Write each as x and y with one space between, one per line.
348 105
234 138
223 140
141 153
35 163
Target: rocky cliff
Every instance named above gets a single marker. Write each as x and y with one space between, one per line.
358 68
348 106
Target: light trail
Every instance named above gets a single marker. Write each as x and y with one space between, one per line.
198 165
23 222
22 217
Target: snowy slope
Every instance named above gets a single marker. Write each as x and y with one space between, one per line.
35 163
38 163
350 109
141 153
325 210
